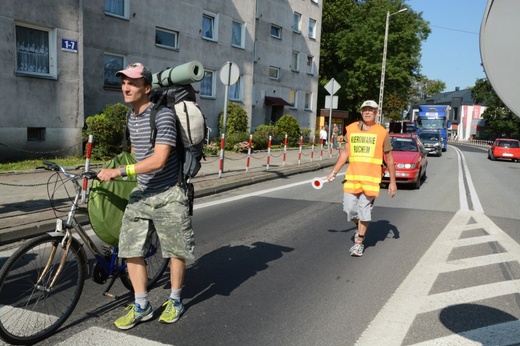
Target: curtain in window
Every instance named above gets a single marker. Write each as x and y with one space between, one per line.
236 34
234 90
32 50
206 84
115 7
207 26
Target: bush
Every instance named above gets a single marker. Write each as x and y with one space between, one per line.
236 119
288 125
306 134
108 130
234 138
261 136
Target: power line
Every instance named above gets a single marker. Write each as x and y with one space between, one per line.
451 29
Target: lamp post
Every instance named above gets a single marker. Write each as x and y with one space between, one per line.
383 67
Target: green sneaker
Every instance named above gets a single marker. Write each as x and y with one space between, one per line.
134 316
172 311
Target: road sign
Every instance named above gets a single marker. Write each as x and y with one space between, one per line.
334 102
229 73
332 86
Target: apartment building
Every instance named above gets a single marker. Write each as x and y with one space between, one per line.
60 57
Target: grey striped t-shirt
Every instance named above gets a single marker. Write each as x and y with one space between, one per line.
139 128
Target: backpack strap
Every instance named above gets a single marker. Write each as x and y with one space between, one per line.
126 134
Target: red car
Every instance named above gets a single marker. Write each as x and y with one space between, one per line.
505 148
411 160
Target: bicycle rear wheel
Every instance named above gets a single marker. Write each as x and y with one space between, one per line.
155 265
29 310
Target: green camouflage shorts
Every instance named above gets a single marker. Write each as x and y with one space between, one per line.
170 215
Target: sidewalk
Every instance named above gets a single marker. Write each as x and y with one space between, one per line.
25 209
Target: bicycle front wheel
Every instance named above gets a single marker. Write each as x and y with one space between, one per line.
32 307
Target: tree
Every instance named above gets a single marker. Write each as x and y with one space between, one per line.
422 88
500 121
352 49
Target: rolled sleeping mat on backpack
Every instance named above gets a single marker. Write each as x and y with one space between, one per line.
187 73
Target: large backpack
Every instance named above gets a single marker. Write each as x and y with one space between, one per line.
191 125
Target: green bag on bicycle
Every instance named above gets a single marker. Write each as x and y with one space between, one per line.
108 199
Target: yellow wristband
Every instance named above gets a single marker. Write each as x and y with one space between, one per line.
130 170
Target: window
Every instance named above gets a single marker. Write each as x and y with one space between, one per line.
207 84
295 62
274 72
210 26
35 134
293 98
307 105
276 31
112 64
238 34
297 22
35 51
310 64
235 90
312 28
166 38
117 8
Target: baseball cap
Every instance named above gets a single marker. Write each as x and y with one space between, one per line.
136 70
369 103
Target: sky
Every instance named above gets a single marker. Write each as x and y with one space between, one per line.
452 51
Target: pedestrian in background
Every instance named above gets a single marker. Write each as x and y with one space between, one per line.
323 135
335 134
366 144
157 199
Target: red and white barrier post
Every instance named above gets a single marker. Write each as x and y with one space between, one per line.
300 151
248 159
268 153
87 168
321 150
221 163
312 149
332 138
284 150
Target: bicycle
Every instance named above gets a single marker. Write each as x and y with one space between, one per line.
41 283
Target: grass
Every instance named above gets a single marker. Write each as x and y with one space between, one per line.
33 164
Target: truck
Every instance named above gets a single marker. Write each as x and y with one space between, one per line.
434 117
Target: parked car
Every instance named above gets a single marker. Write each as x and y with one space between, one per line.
410 158
432 141
505 148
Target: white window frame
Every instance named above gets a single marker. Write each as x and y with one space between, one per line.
32 61
315 1
274 72
242 34
236 91
213 83
312 28
293 96
310 65
307 102
214 26
110 81
126 9
174 33
295 60
297 22
278 29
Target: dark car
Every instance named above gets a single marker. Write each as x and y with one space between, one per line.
410 158
505 148
432 141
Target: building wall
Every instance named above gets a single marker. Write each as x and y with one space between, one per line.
84 80
42 110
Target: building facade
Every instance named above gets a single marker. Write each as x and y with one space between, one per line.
61 58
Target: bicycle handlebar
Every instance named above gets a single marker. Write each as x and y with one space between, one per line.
52 166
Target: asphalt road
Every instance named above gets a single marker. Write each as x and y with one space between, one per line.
441 267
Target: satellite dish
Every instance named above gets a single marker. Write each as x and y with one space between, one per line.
500 50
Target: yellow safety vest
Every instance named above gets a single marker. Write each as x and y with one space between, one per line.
365 159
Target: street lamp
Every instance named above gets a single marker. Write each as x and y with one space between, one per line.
383 67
